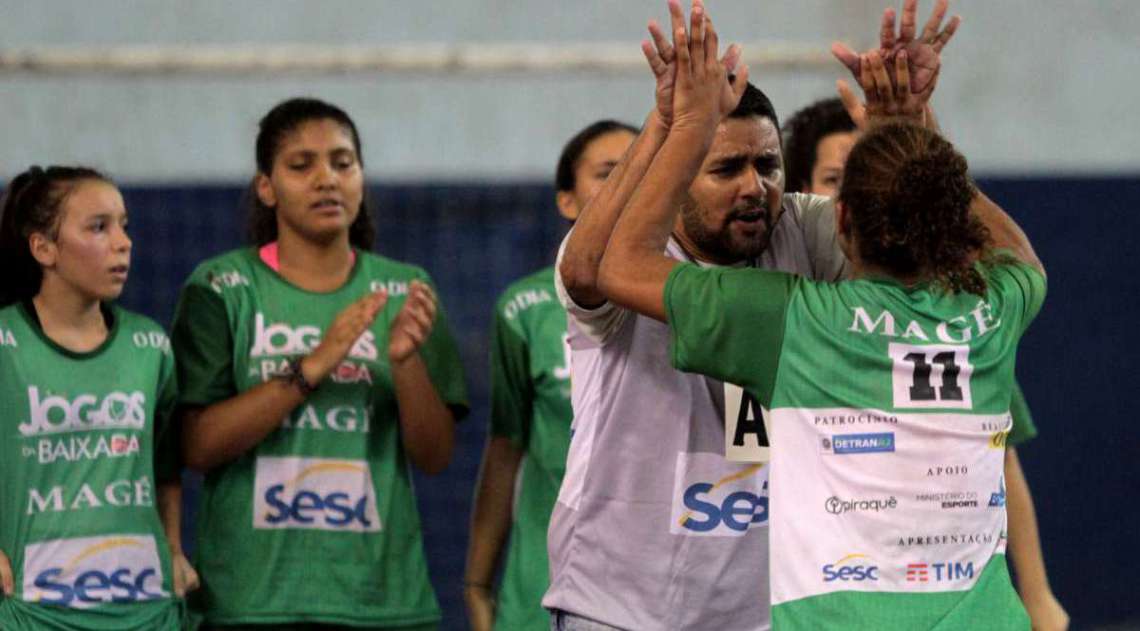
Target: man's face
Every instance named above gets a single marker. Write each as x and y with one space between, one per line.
735 200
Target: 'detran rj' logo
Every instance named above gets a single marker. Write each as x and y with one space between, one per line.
91 571
842 444
315 493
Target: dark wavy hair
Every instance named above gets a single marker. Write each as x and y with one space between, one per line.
802 133
32 203
755 103
576 146
285 118
908 192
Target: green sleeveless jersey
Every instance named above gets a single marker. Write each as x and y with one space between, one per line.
78 516
530 405
318 523
887 409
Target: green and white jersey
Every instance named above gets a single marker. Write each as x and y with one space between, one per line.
530 405
318 523
887 409
78 516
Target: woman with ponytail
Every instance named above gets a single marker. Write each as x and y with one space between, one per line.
86 395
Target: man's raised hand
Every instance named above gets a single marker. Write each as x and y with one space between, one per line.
702 93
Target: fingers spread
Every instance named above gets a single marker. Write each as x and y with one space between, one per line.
902 75
664 48
846 56
886 30
697 38
909 23
880 78
712 43
656 64
739 83
947 33
731 58
866 80
930 31
852 104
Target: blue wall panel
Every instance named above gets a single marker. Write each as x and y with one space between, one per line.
1076 365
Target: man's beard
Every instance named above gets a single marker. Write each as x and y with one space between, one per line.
725 245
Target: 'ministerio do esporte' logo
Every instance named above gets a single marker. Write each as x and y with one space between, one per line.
837 506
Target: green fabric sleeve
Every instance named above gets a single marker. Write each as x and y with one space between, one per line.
203 347
729 323
512 393
1021 286
167 444
441 356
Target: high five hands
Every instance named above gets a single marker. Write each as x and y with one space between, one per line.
899 77
693 89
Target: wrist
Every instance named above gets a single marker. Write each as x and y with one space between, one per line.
301 375
656 122
402 359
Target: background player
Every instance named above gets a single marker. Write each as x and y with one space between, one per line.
87 390
530 413
313 372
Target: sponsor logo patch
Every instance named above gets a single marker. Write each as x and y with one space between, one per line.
715 498
91 571
844 444
315 494
941 572
837 506
54 414
853 568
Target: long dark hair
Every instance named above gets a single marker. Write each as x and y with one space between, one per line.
283 119
908 192
574 148
32 203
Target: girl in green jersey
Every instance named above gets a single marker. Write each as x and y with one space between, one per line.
86 391
315 372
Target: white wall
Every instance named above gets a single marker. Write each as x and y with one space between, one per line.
1028 86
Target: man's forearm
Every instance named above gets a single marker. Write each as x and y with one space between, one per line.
587 242
1004 231
634 270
